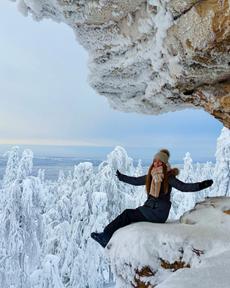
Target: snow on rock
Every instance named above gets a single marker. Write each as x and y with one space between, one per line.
151 56
212 272
191 252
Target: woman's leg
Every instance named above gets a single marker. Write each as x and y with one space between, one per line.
127 217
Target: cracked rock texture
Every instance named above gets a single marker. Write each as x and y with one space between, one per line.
151 56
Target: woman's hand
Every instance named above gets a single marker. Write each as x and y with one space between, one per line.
205 184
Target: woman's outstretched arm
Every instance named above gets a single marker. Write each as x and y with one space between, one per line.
188 187
137 181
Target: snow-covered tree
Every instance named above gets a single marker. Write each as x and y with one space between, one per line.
41 175
120 195
25 165
98 265
48 275
187 174
204 172
21 224
222 167
183 201
11 166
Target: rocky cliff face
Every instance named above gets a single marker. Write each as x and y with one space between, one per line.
152 56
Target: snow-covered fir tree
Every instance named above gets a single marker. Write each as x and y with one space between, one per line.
181 201
21 221
222 167
11 166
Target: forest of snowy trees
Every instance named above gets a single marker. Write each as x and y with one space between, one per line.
45 225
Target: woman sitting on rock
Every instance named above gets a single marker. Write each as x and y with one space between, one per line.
158 182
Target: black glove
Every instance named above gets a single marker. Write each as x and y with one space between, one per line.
205 184
119 175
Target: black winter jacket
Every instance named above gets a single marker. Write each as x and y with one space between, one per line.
157 209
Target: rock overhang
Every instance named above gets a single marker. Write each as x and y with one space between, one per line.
152 56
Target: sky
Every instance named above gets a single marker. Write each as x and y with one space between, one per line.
46 99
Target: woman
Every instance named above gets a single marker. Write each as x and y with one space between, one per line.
158 182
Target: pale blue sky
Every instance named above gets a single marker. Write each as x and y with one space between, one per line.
45 97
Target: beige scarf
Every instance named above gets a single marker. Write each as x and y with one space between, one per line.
157 178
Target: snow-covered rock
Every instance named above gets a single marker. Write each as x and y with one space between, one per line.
151 56
191 252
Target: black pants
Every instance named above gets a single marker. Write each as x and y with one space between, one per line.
127 217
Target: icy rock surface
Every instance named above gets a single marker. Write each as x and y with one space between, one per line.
151 56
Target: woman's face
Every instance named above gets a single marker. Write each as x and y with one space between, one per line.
157 163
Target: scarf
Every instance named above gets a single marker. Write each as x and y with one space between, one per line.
157 178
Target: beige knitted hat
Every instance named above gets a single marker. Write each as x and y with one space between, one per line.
162 155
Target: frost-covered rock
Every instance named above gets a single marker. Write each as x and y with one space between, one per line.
154 254
151 56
